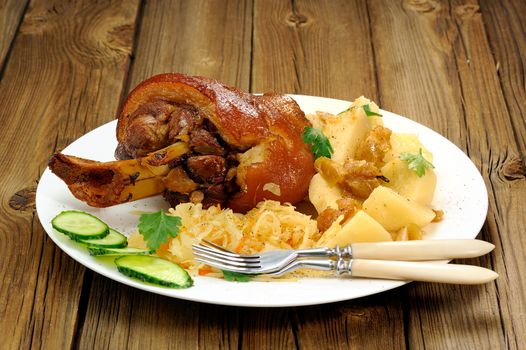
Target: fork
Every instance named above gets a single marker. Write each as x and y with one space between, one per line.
406 251
354 260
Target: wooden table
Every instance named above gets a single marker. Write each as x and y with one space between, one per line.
457 67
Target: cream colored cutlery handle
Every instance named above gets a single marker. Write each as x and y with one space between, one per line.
422 271
438 249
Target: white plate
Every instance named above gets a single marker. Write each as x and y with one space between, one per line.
460 192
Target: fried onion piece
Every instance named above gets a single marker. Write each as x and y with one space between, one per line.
360 178
346 207
375 146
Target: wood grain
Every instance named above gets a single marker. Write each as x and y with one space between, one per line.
452 65
11 14
127 318
52 91
312 47
372 323
209 38
456 91
506 29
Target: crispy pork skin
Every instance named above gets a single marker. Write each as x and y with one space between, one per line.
261 133
233 148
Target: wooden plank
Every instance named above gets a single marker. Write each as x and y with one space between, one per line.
499 149
506 29
267 329
208 38
456 91
313 48
319 48
66 64
127 318
11 14
374 322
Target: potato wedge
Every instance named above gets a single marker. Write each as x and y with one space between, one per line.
345 132
394 211
322 194
360 228
407 183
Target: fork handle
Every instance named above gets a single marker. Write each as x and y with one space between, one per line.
421 271
438 249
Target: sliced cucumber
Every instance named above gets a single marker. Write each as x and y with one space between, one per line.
154 270
114 239
97 251
79 225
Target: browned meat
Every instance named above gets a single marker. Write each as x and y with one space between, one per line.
183 120
178 181
175 198
147 130
208 195
207 169
202 141
120 153
215 194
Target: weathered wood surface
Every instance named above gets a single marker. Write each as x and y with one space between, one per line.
63 77
11 13
457 66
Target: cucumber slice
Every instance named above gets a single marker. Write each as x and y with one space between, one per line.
114 239
97 251
154 270
79 225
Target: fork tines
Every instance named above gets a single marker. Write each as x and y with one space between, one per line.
224 260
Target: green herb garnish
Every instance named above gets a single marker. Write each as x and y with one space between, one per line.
347 110
320 144
416 162
157 227
370 113
236 276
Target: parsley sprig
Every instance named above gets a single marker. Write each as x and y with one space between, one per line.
320 144
157 227
417 162
236 276
370 113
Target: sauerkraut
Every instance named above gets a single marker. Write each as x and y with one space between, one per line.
269 226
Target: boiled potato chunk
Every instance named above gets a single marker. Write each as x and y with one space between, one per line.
394 211
373 107
401 143
407 183
360 228
322 194
345 132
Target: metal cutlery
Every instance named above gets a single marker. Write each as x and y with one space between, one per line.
374 260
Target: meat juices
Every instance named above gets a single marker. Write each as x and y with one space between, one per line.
199 176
